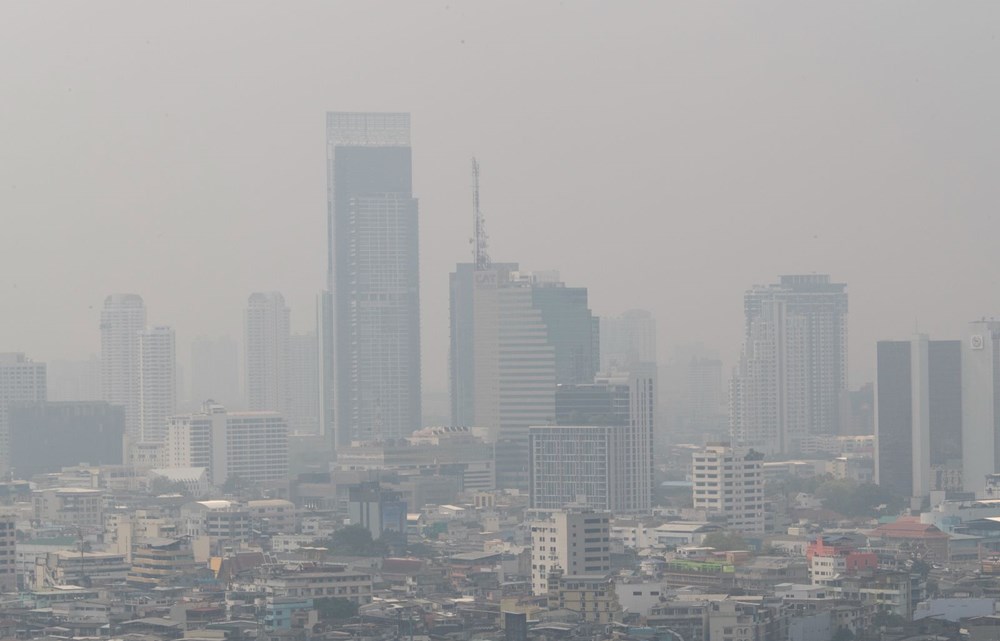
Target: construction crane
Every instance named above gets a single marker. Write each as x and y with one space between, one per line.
480 257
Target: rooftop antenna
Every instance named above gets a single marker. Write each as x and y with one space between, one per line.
480 257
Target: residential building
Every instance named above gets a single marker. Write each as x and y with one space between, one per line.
157 382
266 344
371 319
592 596
122 318
830 559
215 373
303 384
918 413
21 380
224 523
793 369
74 506
575 542
730 482
160 562
48 436
8 556
696 398
249 447
315 580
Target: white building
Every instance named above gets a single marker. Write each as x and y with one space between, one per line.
157 382
793 370
574 541
730 481
249 446
266 346
980 431
123 317
21 380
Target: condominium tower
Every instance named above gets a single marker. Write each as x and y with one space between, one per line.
21 380
793 369
122 318
267 330
371 313
157 382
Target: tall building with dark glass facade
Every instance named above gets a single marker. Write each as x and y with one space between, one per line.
919 416
371 313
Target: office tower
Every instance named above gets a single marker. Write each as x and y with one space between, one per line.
267 329
303 384
215 371
157 382
21 379
980 404
573 541
123 317
514 337
627 340
857 411
377 509
251 447
600 452
919 413
48 436
373 278
74 380
793 369
730 482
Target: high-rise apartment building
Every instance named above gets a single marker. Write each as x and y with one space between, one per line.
980 404
249 446
627 340
74 380
267 331
157 382
573 541
371 321
514 337
303 408
21 380
215 373
122 318
730 482
793 370
918 413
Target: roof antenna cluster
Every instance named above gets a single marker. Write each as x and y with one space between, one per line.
480 257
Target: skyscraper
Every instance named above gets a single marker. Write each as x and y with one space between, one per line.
793 370
122 318
372 359
918 413
302 413
21 380
980 403
514 337
627 339
266 344
157 382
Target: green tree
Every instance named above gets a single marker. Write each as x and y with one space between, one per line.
355 540
333 608
842 634
725 541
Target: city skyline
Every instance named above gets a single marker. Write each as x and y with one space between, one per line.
770 219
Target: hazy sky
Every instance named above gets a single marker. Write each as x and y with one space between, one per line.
667 155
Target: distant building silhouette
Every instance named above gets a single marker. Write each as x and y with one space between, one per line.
793 369
267 331
157 382
371 313
48 436
21 380
122 318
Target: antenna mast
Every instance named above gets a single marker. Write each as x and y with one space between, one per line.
480 257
